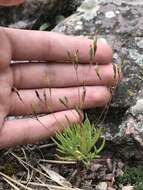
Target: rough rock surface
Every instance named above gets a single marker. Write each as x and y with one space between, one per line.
121 23
28 13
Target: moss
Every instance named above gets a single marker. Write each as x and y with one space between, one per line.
132 176
8 169
139 186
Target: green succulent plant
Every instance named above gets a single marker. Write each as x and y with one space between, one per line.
79 142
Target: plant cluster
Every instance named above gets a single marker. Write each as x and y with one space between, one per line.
79 142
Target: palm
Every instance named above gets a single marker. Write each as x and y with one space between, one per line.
6 83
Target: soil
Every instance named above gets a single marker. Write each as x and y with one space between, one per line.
104 169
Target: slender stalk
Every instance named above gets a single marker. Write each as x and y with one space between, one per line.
14 89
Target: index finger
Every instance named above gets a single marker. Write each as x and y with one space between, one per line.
51 46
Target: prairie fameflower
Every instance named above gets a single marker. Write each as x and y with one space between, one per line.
79 142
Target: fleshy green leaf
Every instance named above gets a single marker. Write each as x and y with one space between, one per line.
78 142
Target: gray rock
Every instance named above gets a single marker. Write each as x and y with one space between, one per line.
28 13
128 188
139 42
121 23
101 186
111 188
109 14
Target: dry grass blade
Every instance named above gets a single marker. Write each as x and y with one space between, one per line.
15 181
24 153
28 171
60 180
27 164
57 161
63 185
11 184
46 145
53 187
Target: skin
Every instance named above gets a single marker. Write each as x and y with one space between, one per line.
11 2
56 73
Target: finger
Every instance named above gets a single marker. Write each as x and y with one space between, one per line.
47 75
94 96
39 45
30 130
5 92
5 49
2 119
10 2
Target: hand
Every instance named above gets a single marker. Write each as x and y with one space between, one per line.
53 76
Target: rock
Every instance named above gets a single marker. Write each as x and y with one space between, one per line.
111 188
139 42
110 14
120 164
95 167
121 23
110 177
101 186
128 188
28 13
119 172
109 164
